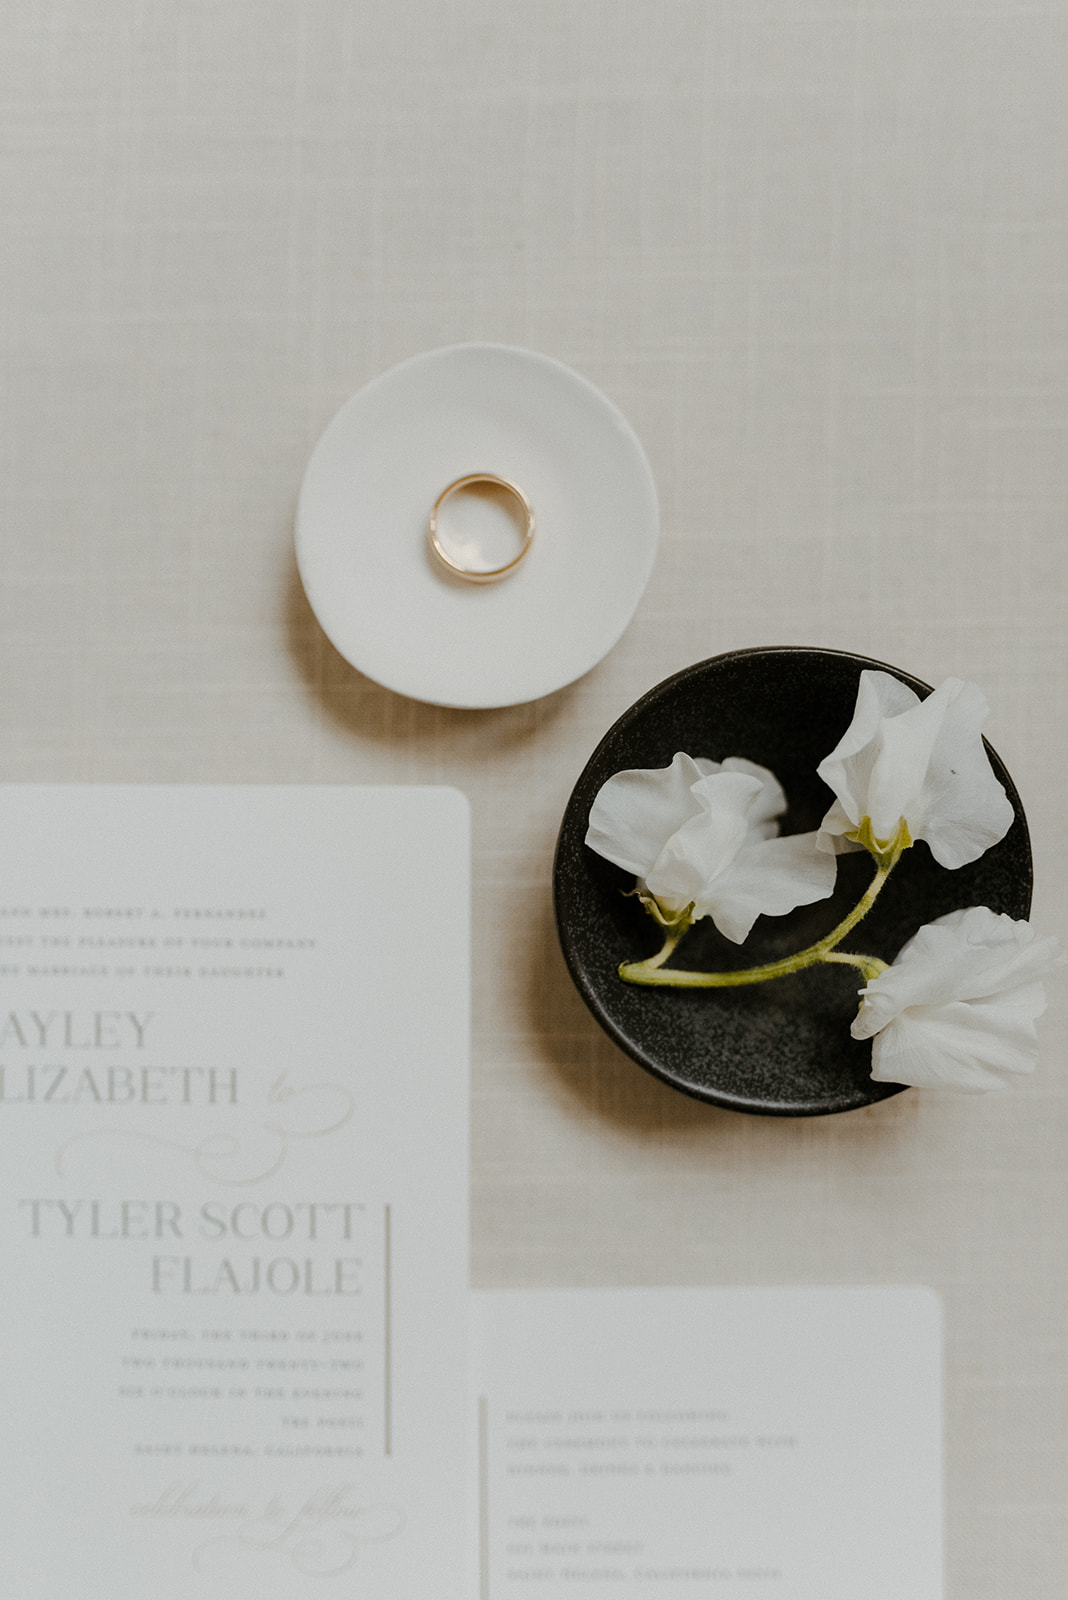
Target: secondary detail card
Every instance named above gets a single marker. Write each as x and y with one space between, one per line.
776 1444
233 1147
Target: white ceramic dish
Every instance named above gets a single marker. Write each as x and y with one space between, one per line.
361 534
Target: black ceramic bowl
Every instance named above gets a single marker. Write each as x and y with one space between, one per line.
781 1048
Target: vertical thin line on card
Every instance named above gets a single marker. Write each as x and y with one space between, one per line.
387 1353
483 1497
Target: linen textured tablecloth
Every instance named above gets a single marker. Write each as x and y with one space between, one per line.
817 254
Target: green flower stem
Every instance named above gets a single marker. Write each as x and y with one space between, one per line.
653 973
675 933
871 966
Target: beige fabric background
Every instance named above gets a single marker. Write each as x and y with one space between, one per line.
816 252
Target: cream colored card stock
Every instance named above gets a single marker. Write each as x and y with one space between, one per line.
777 1444
234 1179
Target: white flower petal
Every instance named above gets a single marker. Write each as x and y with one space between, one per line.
831 837
636 812
903 754
971 954
965 809
959 1046
923 761
767 878
769 805
847 770
703 833
706 844
958 1006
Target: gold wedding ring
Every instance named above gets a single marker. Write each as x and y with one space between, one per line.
481 574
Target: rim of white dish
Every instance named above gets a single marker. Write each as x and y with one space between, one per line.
551 626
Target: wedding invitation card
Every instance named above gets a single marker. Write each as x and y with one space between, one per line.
233 1177
777 1444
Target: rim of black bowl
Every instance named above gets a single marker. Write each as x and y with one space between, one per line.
574 823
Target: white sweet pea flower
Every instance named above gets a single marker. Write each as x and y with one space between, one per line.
957 1008
920 763
702 835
